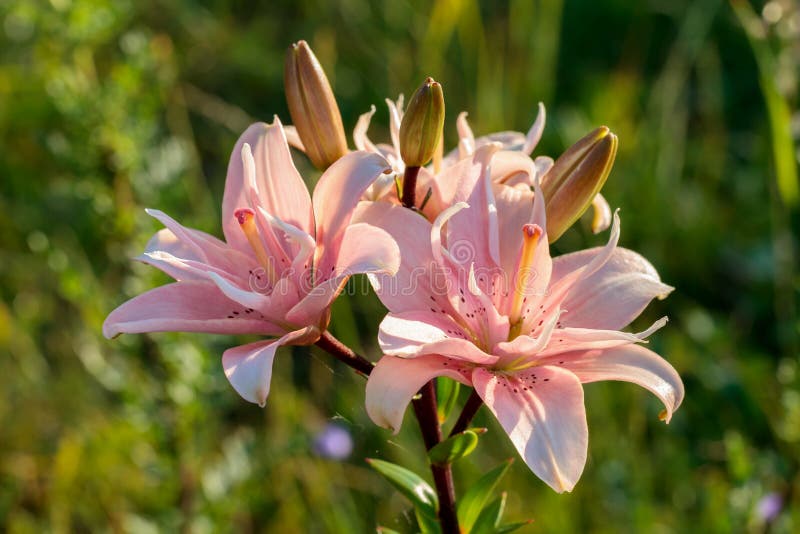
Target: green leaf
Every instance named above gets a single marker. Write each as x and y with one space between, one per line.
409 484
779 112
511 527
453 448
384 530
476 496
446 395
490 517
428 524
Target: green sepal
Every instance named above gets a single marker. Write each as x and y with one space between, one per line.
453 448
446 395
478 494
419 492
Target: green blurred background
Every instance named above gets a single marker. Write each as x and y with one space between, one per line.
111 106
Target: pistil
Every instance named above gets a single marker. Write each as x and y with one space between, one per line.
531 234
247 223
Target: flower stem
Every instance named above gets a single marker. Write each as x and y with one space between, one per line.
425 410
410 187
344 354
471 407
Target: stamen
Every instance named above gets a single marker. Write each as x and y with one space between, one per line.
247 223
531 233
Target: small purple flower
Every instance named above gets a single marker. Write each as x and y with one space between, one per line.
769 506
333 442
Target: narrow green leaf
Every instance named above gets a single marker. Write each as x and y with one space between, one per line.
419 492
384 530
453 448
511 527
490 517
478 494
446 395
779 113
428 524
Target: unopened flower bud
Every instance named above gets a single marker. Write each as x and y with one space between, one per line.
313 107
423 121
576 177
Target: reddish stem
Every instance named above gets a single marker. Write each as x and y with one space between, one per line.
410 187
344 354
426 412
473 404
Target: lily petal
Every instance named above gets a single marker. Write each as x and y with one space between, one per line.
394 381
335 198
280 186
417 333
409 288
380 256
572 339
191 306
612 296
535 133
249 367
542 412
631 363
602 214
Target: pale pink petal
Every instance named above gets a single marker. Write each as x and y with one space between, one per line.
293 138
195 245
364 249
602 214
563 284
535 133
543 164
573 339
414 283
413 334
395 118
394 381
466 140
280 186
510 168
191 306
474 229
165 240
612 296
511 141
541 409
249 367
335 198
181 269
360 137
631 363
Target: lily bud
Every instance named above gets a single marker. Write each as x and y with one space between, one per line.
422 125
575 178
313 107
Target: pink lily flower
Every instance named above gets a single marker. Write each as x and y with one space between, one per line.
512 165
482 302
284 260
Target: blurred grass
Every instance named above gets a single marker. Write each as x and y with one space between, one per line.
107 107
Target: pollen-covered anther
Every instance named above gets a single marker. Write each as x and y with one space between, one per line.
246 219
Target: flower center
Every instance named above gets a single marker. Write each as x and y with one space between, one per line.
247 223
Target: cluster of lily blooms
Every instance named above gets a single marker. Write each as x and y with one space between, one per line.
456 246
